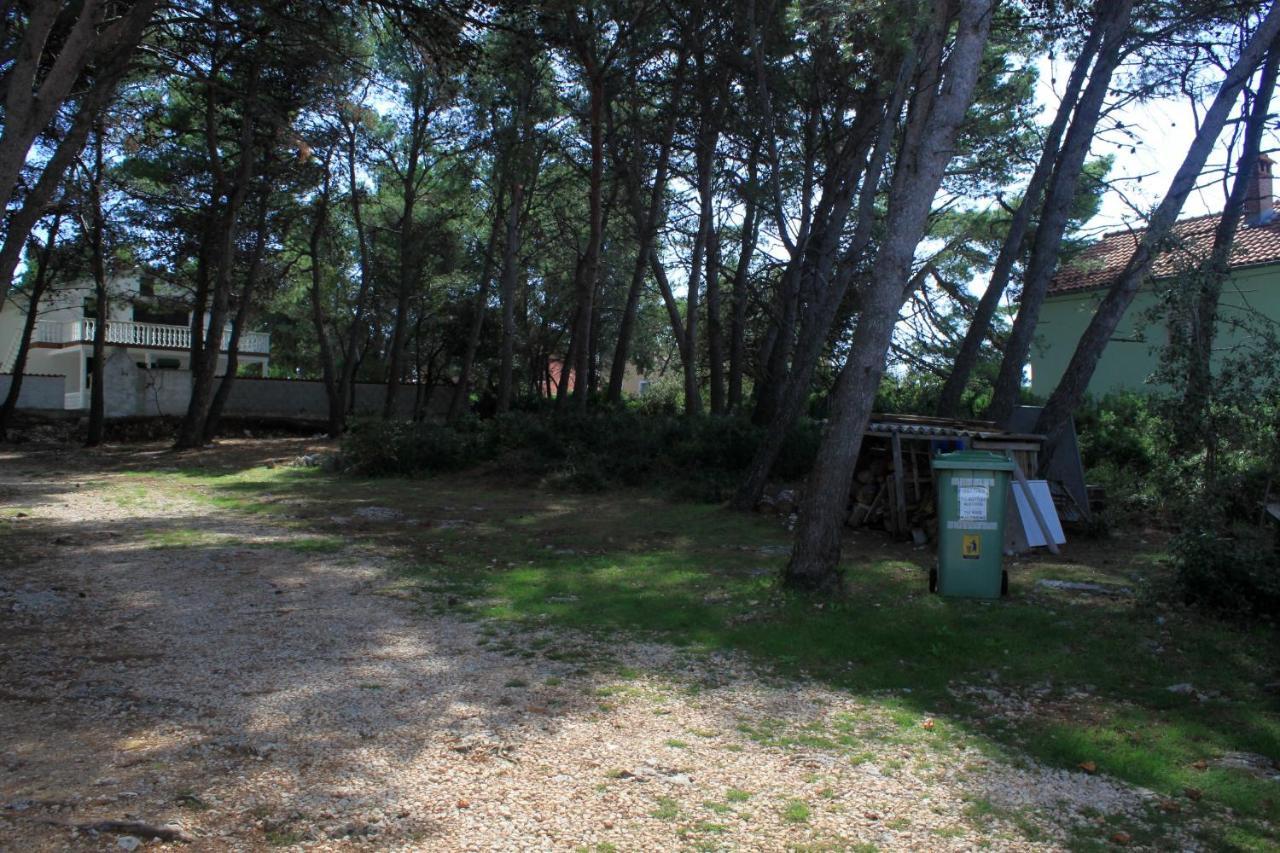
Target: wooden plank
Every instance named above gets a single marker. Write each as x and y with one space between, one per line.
1000 444
899 485
915 474
1035 508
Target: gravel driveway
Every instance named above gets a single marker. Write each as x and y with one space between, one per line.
256 694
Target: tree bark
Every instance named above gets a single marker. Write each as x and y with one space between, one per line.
647 222
589 270
38 286
461 399
715 331
507 296
243 309
741 280
97 261
358 331
1057 211
980 324
1209 279
37 85
207 343
315 245
408 252
822 316
1075 381
928 144
113 64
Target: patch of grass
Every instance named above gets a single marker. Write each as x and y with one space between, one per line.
737 795
796 811
667 809
284 837
185 537
675 743
515 682
629 563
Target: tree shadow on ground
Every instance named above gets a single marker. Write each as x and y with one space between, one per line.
529 600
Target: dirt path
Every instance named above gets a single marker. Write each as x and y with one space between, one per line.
255 693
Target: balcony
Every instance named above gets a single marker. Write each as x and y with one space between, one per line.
53 333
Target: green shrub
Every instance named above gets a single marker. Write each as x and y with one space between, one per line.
701 458
1122 429
1234 573
379 448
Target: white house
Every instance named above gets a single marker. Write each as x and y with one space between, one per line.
147 328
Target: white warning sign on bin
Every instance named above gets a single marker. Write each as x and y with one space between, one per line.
973 502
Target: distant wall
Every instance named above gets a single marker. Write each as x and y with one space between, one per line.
167 392
38 392
1131 357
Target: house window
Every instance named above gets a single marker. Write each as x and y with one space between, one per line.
642 387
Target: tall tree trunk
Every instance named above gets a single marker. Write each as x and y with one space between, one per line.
1057 211
408 252
647 222
741 277
315 247
206 347
589 269
705 157
113 64
1075 380
43 260
461 399
715 327
358 331
821 318
928 144
243 309
507 296
98 263
36 84
408 268
1196 423
980 324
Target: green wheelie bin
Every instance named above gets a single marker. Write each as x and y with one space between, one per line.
972 488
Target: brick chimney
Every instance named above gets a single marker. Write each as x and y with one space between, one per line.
1258 204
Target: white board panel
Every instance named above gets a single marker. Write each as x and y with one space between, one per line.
1040 494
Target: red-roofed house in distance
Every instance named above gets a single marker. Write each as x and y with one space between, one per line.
1251 291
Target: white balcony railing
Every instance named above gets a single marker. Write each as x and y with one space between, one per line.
141 335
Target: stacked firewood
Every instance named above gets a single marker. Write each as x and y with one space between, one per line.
873 499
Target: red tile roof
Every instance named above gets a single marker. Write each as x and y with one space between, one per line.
1097 265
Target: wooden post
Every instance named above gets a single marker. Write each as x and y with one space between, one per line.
899 484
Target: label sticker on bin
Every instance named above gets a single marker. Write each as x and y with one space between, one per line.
971 546
973 502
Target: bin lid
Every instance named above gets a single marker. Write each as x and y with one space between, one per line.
973 460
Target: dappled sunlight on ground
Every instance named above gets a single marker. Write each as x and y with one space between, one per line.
275 655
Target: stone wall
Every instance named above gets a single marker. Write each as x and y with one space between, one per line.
42 393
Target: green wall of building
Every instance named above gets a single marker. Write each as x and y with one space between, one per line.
1132 356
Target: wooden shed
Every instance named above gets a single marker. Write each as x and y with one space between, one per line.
893 484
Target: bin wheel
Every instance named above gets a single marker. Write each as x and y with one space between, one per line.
1004 582
933 580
